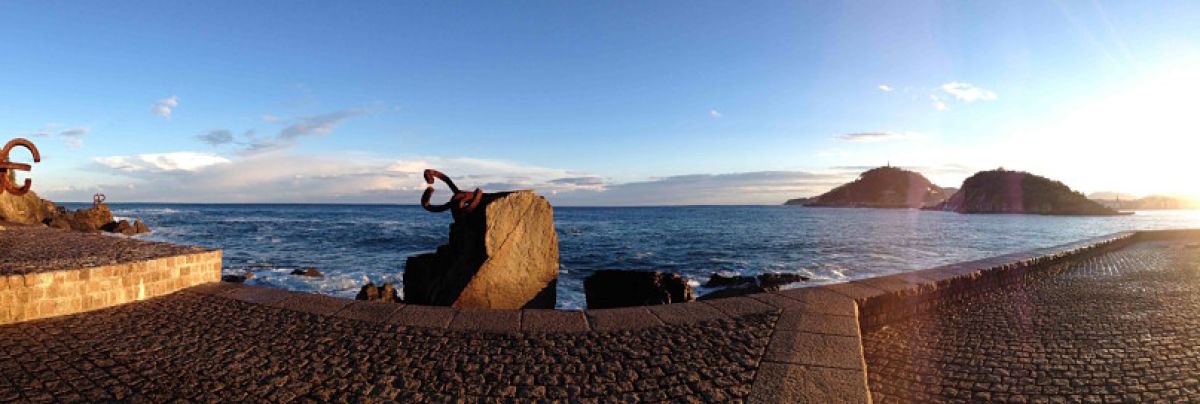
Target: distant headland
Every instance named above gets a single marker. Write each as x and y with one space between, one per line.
994 191
883 187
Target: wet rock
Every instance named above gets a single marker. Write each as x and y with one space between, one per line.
310 272
504 255
779 279
237 278
718 280
122 227
615 288
139 227
742 290
372 293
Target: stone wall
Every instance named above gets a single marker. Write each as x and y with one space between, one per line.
55 293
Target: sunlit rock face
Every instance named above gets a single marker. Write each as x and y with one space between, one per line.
24 209
503 255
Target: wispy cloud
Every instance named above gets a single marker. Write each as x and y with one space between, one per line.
165 106
714 113
216 137
875 136
885 88
73 137
313 125
967 92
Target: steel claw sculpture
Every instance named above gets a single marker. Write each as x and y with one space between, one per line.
98 199
461 201
7 167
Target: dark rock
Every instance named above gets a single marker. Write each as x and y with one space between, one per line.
310 272
122 227
779 279
717 280
139 227
233 278
503 255
385 294
735 291
615 288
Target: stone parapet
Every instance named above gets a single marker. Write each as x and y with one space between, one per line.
68 291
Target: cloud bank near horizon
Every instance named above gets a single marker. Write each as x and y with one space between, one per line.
364 178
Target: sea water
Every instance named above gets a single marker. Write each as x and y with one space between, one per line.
356 244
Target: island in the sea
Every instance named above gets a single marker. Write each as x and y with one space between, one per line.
995 191
881 187
1005 191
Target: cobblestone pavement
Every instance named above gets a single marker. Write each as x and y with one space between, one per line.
196 346
1120 327
29 249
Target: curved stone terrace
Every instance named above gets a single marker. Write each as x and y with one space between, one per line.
222 342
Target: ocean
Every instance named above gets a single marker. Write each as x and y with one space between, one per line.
356 244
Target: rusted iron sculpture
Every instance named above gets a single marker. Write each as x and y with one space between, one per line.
6 167
465 202
98 199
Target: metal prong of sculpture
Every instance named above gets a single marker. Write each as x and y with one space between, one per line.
7 167
461 201
98 199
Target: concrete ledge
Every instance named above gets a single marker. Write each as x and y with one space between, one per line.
75 290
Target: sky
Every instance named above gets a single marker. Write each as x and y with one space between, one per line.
593 103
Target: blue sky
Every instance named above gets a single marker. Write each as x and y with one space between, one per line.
592 103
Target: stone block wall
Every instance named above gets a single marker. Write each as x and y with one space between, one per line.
55 293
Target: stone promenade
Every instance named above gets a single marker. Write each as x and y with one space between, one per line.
1123 326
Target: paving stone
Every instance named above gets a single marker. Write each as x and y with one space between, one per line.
806 348
685 313
486 320
198 347
369 311
1115 327
423 316
822 300
312 303
553 321
631 318
257 295
788 383
794 320
738 306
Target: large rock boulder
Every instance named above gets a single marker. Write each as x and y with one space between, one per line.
386 293
614 288
24 209
504 255
87 220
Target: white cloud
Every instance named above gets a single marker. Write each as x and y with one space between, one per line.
876 136
162 162
885 88
714 113
165 106
967 92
